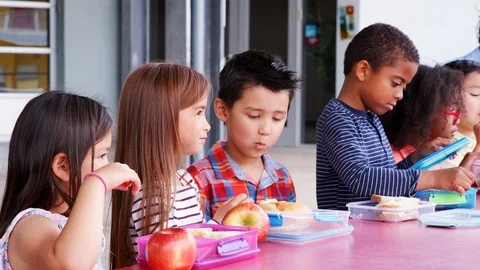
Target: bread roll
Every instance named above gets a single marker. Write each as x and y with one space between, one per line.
283 206
201 232
269 207
293 207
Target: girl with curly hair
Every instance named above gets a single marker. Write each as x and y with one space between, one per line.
428 113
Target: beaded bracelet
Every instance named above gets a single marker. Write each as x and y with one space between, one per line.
97 176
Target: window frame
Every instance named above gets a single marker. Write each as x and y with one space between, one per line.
52 37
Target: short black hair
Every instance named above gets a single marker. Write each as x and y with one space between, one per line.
431 89
381 45
253 68
465 66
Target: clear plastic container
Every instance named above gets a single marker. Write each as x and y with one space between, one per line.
215 252
452 218
304 227
368 210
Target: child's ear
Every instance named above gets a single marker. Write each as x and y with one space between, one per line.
220 110
60 167
362 70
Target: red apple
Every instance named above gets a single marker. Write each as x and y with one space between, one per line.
172 248
249 215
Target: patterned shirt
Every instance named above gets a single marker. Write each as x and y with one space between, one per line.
354 159
220 178
59 220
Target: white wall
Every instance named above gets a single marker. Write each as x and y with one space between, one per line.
341 45
92 50
440 29
11 105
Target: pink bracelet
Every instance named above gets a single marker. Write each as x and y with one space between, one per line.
97 176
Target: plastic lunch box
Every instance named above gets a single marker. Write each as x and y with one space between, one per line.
445 199
441 155
215 252
368 210
304 227
452 218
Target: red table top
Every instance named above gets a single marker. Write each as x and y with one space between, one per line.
374 245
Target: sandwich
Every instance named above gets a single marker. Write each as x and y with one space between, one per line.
389 202
394 202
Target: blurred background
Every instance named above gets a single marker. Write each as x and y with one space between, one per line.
89 46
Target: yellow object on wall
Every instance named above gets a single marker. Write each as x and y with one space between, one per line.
12 62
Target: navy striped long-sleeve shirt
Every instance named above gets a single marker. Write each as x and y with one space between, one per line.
354 159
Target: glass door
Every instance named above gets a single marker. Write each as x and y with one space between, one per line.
274 26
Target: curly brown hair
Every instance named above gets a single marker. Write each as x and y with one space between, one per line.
431 90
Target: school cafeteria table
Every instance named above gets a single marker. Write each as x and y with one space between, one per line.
374 245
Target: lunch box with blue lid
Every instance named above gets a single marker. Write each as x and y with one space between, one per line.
304 227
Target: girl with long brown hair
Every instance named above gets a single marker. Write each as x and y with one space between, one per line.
161 119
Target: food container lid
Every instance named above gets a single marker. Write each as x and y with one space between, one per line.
452 218
277 218
313 236
445 197
441 155
300 227
371 205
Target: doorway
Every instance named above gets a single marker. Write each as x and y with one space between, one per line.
319 62
274 26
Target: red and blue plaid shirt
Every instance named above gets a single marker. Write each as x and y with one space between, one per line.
219 179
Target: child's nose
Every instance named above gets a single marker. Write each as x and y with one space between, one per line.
207 126
398 95
264 130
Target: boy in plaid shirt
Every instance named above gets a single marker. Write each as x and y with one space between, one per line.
256 89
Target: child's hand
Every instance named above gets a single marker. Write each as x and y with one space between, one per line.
456 179
429 147
226 206
120 177
469 159
476 131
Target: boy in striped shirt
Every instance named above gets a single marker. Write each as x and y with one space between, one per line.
255 92
354 158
